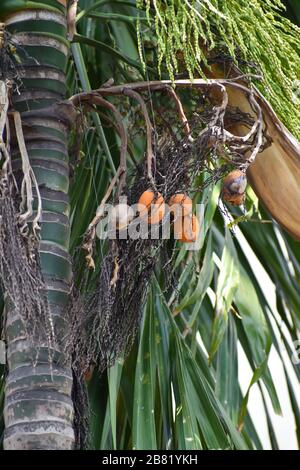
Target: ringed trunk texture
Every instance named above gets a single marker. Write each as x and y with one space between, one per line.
38 408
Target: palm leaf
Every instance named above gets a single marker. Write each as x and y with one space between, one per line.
180 388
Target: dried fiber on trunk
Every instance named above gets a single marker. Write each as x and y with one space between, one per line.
20 272
81 410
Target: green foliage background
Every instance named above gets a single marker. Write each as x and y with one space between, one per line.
179 388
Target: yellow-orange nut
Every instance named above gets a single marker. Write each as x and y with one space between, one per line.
187 229
181 204
152 205
234 187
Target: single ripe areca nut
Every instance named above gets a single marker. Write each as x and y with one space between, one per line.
187 229
180 204
152 205
234 187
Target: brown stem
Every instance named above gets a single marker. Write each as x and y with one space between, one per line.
112 124
166 84
149 131
96 99
91 231
180 111
100 209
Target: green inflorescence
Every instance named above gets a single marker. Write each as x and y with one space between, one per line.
256 31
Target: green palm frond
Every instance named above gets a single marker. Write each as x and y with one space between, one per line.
236 301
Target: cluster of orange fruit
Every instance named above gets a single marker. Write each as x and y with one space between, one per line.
151 205
186 224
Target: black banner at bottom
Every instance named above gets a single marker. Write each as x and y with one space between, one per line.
134 459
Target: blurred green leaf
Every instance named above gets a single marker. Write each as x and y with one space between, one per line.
101 4
227 387
114 378
114 17
197 292
144 432
227 285
78 38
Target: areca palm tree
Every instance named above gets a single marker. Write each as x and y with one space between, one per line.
198 315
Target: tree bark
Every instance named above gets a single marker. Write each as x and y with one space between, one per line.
38 409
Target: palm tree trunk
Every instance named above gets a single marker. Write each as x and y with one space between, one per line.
38 409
